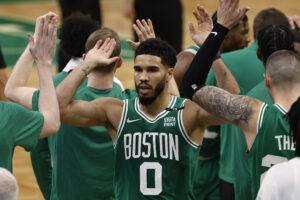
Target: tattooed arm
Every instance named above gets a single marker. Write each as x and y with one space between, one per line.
239 110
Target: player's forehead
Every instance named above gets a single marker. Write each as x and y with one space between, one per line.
145 60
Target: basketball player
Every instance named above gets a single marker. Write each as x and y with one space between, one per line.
156 135
264 126
282 180
18 125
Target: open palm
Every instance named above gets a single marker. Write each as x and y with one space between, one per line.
204 25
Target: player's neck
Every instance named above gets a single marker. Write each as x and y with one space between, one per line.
100 81
159 105
286 97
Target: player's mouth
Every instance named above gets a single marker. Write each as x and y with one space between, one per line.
144 89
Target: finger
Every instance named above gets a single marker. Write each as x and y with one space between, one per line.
31 39
291 22
201 12
113 59
151 27
191 28
138 33
197 17
40 28
98 44
133 44
147 29
142 28
110 47
104 46
244 11
297 20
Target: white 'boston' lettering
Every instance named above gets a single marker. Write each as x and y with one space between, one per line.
147 144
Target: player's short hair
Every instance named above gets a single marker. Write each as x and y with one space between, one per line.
293 117
8 185
273 38
267 17
159 48
75 30
283 68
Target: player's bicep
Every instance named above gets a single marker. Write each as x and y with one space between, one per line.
83 114
242 111
22 96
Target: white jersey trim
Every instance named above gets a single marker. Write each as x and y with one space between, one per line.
159 116
122 121
261 116
281 108
183 131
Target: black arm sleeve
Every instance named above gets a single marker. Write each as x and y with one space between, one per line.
196 74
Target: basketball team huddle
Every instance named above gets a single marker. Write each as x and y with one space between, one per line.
208 123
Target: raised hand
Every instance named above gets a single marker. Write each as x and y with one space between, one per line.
99 56
204 23
229 13
42 45
144 31
294 21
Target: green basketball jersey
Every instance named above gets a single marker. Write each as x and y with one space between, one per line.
18 127
83 158
155 159
272 145
261 92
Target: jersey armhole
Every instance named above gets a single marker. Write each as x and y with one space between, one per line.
122 121
182 129
261 116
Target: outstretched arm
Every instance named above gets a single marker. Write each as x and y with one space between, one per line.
241 111
15 89
228 14
82 113
42 48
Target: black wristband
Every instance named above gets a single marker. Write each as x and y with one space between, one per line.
195 76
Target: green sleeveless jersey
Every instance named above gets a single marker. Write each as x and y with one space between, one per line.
155 158
272 145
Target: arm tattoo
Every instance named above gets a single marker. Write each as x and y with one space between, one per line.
85 71
229 107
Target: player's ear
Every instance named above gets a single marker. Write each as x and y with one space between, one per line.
83 56
170 73
267 81
119 62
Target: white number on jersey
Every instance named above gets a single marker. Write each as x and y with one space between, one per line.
157 176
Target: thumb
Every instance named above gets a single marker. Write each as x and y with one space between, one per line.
31 39
191 28
113 59
133 44
244 11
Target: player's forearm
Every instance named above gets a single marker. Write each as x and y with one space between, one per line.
19 77
224 77
67 88
48 104
196 74
234 109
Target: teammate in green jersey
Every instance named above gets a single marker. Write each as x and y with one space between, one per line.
156 136
18 125
206 185
264 127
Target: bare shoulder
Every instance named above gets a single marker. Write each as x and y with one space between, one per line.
190 114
